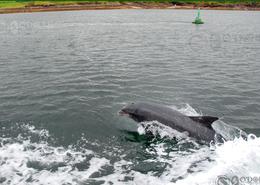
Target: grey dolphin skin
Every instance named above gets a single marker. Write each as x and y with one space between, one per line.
197 126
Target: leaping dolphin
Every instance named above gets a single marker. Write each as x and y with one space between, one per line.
197 126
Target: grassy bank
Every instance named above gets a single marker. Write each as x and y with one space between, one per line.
6 4
29 3
216 3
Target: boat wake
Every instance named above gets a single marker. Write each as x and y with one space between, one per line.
170 158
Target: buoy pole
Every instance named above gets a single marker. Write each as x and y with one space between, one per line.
198 20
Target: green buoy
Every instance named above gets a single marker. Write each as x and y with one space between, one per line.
198 19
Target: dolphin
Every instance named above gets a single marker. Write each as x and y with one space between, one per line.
199 127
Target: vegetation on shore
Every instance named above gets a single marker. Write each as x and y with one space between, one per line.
49 3
216 3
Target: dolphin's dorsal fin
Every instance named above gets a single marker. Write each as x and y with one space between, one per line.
205 120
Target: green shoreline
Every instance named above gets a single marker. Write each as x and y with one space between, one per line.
12 6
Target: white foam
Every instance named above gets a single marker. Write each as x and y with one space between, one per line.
32 129
156 128
234 158
18 161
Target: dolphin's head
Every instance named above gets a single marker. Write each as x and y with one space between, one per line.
129 109
132 111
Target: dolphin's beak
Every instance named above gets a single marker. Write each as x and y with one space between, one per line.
123 113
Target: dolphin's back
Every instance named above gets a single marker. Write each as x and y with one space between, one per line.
174 119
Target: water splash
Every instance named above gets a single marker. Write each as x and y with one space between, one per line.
228 132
